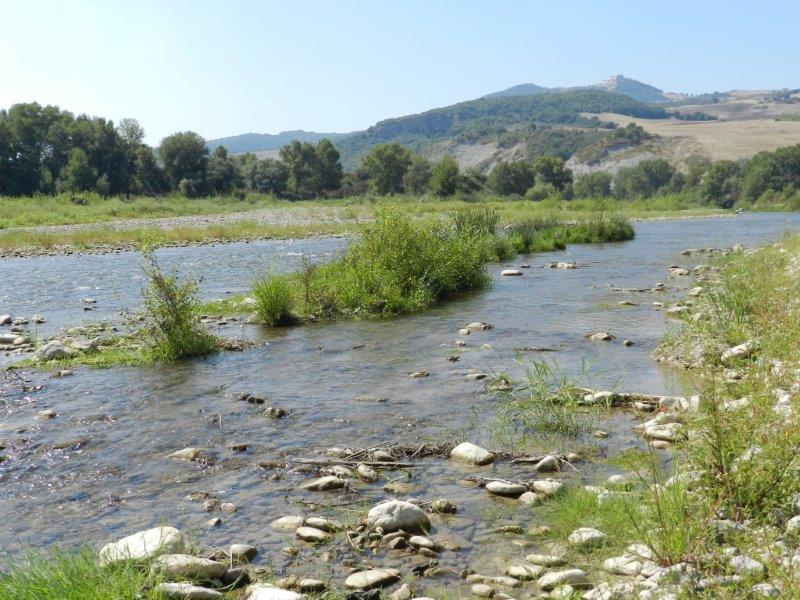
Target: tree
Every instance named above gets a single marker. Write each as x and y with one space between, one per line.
78 175
721 183
185 157
552 170
132 136
418 175
593 185
471 181
444 177
508 178
643 180
386 165
223 172
771 171
267 176
313 169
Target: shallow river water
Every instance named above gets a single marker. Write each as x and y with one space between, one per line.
122 480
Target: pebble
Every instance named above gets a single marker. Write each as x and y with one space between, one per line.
421 541
371 579
323 484
184 566
313 535
324 524
573 577
545 560
264 591
398 514
502 488
525 571
143 545
186 454
601 336
586 536
290 523
311 585
511 273
366 473
530 499
481 590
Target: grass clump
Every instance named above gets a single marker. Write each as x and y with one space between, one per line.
66 576
400 265
171 307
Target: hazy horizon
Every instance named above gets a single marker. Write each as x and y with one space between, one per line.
267 67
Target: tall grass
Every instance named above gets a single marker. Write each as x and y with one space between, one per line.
171 309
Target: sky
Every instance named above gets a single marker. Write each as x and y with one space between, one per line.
228 67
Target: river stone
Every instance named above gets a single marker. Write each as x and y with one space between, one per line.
366 473
263 591
622 565
290 523
373 578
765 590
404 592
186 591
242 553
342 472
586 536
737 352
547 487
311 585
324 524
501 488
186 454
481 590
545 560
478 326
313 535
322 484
397 514
547 464
530 499
421 541
5 320
511 273
8 338
573 577
748 567
524 571
143 545
601 336
184 566
667 432
472 454
52 350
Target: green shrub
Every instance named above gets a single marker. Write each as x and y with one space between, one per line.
171 315
599 229
476 221
274 296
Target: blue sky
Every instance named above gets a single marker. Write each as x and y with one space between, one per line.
227 67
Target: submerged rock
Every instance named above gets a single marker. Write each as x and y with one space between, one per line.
186 454
323 484
511 273
503 488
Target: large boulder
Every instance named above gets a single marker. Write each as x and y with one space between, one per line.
53 350
397 514
144 545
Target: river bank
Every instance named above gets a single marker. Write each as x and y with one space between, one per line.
349 385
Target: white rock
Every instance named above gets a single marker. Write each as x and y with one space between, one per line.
601 336
313 535
324 524
472 454
420 541
5 319
397 514
242 552
186 454
738 352
547 464
8 338
290 523
547 487
765 590
502 488
322 484
366 473
622 565
531 499
481 590
184 566
545 560
263 591
186 591
668 432
143 545
586 536
311 585
478 326
573 577
749 567
373 578
511 273
524 571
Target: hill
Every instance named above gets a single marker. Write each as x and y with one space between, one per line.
617 84
259 142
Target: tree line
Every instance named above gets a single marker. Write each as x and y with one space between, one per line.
45 150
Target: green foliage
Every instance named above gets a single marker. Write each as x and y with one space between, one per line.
645 179
274 300
600 228
314 169
542 191
185 158
721 183
444 177
78 175
387 165
551 170
771 171
593 185
507 178
416 179
476 221
267 176
171 314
